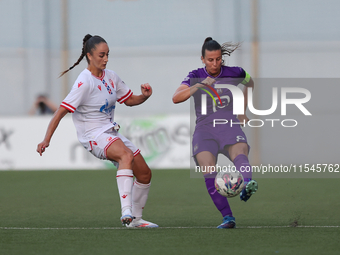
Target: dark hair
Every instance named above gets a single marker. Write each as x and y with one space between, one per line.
89 43
226 49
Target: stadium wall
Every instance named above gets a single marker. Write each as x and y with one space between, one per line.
164 142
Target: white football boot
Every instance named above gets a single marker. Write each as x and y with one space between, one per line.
141 224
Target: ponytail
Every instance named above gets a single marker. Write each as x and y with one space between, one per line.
226 48
89 43
229 47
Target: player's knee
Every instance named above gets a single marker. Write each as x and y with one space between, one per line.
206 161
241 148
145 177
127 157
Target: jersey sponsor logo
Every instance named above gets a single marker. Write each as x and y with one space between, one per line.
225 102
79 84
100 87
109 139
112 84
213 98
106 108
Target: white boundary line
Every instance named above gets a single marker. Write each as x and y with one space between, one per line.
114 228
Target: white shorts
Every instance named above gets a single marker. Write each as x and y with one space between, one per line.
99 147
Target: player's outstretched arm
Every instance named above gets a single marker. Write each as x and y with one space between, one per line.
58 115
136 100
184 91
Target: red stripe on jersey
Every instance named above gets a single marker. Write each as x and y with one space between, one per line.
68 107
101 77
126 97
136 152
108 145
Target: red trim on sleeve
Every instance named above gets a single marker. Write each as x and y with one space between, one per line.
68 107
136 152
126 97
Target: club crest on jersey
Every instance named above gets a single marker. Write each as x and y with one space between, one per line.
112 84
108 88
79 84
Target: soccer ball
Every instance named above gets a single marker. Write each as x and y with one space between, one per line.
229 184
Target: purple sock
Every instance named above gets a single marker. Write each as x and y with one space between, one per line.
220 201
241 163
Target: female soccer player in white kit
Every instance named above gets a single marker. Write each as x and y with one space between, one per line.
92 101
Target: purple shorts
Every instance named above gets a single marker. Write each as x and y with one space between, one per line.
214 139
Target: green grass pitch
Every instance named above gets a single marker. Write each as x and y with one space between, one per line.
77 212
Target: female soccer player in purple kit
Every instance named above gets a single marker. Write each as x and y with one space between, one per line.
92 102
228 139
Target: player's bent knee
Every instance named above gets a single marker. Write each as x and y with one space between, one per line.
144 176
124 157
237 149
127 157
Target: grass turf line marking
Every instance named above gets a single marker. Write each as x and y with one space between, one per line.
115 228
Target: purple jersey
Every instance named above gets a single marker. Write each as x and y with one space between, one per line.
228 75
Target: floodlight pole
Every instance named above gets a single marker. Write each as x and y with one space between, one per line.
25 89
255 74
47 48
238 27
65 46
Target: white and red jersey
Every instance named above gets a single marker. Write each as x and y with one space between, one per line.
92 100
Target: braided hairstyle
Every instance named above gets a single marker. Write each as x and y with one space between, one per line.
89 43
226 49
